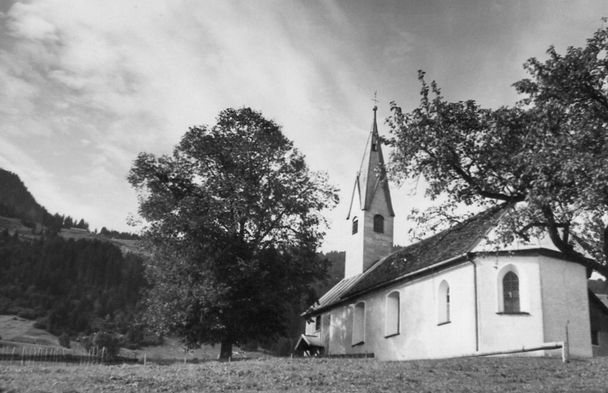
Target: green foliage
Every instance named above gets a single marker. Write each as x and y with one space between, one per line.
68 284
549 151
118 235
108 342
234 218
64 340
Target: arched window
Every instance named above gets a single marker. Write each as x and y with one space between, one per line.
443 304
355 225
510 292
378 223
359 324
392 314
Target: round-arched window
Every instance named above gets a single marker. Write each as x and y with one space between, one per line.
378 223
510 292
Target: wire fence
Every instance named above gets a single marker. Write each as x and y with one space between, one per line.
26 355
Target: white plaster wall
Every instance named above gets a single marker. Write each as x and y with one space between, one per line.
353 263
309 329
420 336
367 246
565 301
377 245
503 331
340 331
561 291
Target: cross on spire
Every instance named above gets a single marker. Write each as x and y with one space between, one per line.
375 99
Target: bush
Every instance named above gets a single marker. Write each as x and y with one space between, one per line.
151 340
27 313
108 341
283 346
86 342
64 340
250 346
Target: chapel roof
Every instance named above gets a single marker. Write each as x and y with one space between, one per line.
450 244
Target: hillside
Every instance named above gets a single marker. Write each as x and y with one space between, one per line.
21 213
55 271
16 201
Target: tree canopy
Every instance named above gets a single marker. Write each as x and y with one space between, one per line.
546 156
234 218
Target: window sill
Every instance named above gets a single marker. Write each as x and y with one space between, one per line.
359 344
392 335
444 323
513 313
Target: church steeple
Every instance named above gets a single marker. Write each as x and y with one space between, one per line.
371 209
371 177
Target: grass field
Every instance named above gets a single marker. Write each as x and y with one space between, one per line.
317 375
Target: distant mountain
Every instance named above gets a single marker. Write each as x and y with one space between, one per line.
16 201
21 213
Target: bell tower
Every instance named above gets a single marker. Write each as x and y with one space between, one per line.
371 212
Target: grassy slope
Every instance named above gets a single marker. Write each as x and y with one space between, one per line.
19 331
125 245
13 328
326 375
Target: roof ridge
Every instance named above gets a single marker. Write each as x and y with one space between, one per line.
461 224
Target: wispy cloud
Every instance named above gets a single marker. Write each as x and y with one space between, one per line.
86 85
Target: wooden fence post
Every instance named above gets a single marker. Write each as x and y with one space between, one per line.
566 347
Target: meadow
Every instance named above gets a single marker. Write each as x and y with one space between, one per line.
316 375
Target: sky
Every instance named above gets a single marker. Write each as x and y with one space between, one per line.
87 85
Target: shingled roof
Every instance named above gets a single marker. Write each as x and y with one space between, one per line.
447 245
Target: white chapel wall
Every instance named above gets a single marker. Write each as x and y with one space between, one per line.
545 305
565 301
310 329
499 331
420 335
377 245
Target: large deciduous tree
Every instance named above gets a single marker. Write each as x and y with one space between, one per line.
549 152
233 216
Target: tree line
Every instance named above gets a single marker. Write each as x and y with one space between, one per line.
73 287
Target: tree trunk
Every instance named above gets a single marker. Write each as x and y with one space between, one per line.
226 349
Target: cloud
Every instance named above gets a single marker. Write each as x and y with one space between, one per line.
25 22
86 86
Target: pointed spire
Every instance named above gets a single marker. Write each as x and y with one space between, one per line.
375 125
372 173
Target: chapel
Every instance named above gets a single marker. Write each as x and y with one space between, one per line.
452 294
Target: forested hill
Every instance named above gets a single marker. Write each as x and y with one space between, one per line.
69 286
19 211
54 270
16 201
